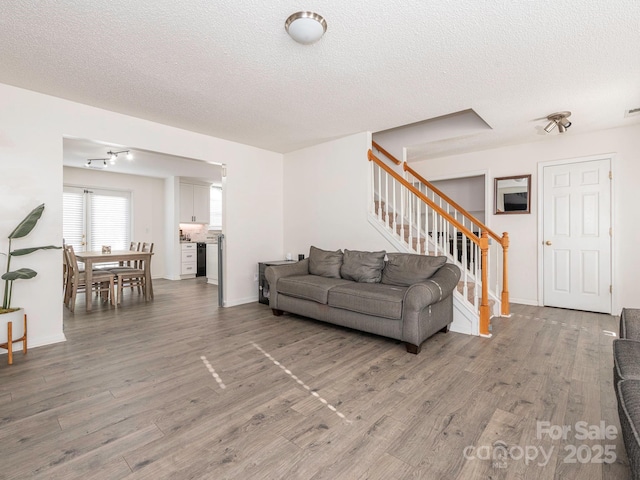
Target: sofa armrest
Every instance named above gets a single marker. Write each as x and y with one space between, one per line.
428 305
274 272
433 290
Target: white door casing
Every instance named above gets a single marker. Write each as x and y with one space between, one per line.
576 235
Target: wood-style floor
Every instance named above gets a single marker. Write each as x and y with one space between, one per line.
137 393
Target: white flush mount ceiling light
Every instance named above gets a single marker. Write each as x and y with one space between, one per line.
560 120
305 27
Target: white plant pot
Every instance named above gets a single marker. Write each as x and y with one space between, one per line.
17 320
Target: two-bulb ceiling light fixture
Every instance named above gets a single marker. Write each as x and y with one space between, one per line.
111 158
560 120
305 27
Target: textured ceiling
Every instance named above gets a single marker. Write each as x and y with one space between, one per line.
227 67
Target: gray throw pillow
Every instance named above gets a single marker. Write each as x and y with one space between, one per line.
365 267
405 269
325 263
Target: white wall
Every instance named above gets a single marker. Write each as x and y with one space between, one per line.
523 229
468 192
147 205
32 127
325 198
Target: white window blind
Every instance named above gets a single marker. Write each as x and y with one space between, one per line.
92 218
73 222
109 220
215 221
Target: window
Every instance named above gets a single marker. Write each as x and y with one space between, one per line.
215 221
92 218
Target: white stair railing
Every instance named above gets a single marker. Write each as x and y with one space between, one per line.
425 221
497 272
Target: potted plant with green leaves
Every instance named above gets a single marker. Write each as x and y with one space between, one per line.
12 319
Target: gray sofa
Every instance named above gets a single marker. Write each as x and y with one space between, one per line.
626 377
407 297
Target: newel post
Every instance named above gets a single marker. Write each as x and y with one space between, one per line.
505 309
484 303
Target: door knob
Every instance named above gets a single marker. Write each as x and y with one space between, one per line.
548 242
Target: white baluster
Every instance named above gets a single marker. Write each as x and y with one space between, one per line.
418 202
372 205
402 201
488 265
455 246
465 269
386 198
440 233
411 209
476 251
379 193
395 210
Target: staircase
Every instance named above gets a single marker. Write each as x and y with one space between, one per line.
416 217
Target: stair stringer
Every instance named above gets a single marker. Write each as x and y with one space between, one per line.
465 320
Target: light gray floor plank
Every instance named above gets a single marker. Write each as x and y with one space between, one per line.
128 396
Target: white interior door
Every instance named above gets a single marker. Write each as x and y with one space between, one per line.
577 236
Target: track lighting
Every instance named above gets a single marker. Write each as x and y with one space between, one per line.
114 155
565 123
111 157
559 120
101 163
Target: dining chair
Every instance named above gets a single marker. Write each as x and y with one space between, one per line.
65 274
133 247
133 276
102 282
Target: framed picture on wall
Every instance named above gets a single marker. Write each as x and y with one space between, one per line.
512 195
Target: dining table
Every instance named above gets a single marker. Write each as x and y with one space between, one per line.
92 258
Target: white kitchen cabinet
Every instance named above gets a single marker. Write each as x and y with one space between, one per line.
194 203
212 263
189 259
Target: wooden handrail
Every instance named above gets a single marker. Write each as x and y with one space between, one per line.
471 235
385 153
441 194
482 242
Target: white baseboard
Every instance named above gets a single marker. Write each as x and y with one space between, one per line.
240 301
524 301
36 342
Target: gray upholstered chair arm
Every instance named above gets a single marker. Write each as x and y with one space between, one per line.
438 287
275 272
